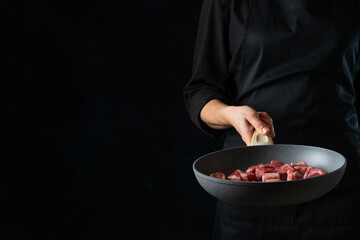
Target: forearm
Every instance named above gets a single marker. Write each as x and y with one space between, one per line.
216 114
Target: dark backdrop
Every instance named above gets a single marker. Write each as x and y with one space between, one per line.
95 139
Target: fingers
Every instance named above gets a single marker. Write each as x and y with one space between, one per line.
245 119
259 125
269 122
246 130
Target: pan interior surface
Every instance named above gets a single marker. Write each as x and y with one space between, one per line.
227 161
277 193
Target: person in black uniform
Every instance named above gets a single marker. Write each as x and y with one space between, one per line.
295 64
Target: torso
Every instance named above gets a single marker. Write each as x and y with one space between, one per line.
299 61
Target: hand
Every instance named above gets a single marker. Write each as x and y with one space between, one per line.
245 120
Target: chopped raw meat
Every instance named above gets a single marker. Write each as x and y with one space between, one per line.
302 163
260 171
235 176
301 169
267 176
218 175
313 172
239 175
273 172
285 167
251 177
244 176
282 170
276 164
293 175
252 168
273 180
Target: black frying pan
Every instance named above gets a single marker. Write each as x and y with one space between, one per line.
270 193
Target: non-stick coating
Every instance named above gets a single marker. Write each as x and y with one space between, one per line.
269 194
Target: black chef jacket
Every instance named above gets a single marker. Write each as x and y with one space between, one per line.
297 60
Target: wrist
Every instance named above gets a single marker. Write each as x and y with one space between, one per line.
228 115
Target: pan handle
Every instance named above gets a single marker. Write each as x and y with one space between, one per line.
261 139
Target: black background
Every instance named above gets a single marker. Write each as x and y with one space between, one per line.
95 139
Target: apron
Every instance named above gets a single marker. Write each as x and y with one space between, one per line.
300 63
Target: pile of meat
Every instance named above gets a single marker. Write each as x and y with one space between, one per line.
274 172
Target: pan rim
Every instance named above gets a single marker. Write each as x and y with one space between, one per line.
241 183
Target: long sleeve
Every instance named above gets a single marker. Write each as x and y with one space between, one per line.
210 75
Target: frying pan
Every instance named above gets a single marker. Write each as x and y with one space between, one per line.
269 193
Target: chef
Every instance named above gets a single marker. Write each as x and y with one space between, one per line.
293 64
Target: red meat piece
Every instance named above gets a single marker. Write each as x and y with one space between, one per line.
301 167
218 175
276 164
270 176
313 172
239 175
247 177
253 168
251 177
235 176
282 170
260 171
294 175
244 176
302 163
273 180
